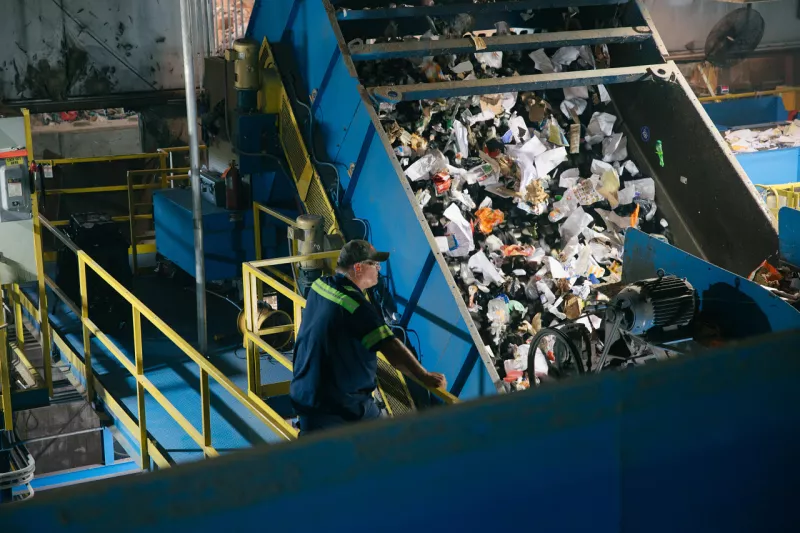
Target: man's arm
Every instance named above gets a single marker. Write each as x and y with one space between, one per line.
403 360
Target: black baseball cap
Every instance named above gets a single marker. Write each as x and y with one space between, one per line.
358 251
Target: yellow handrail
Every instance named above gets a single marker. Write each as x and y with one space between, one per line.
252 276
139 310
753 94
786 195
5 370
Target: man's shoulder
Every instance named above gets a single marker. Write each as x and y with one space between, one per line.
338 291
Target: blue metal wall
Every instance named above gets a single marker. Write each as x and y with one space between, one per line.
352 134
698 444
732 113
772 167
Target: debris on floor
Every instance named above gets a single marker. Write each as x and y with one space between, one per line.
773 138
527 194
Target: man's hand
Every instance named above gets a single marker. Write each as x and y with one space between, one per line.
434 380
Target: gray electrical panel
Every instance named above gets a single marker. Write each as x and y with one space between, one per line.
15 193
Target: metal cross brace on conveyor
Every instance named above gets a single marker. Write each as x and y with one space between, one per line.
498 43
535 82
476 9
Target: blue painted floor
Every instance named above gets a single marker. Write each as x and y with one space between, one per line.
233 426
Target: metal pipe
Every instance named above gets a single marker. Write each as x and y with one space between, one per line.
226 24
194 153
242 23
212 27
234 26
58 436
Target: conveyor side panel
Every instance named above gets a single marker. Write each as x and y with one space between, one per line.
344 112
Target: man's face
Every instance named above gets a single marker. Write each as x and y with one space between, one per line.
367 274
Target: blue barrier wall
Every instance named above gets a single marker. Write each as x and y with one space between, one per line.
731 113
772 167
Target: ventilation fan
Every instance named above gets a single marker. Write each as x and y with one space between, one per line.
734 37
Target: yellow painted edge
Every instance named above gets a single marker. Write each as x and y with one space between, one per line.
275 389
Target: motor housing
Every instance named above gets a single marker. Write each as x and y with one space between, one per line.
665 302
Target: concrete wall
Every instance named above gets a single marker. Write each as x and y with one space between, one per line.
51 54
16 237
116 137
682 22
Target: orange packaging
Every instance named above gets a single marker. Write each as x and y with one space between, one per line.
489 218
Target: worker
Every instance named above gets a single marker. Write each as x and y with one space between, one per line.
335 355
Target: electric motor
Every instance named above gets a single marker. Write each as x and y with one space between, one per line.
666 302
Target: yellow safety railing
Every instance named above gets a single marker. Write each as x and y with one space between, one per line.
252 279
5 370
165 172
778 196
136 368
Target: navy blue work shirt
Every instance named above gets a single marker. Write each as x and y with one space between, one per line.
335 361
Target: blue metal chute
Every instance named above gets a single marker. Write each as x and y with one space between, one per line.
695 444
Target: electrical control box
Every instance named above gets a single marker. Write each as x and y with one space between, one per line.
15 192
212 187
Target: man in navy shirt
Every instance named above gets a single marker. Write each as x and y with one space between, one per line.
335 355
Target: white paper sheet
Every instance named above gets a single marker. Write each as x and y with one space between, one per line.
556 269
631 168
615 148
490 59
601 124
604 96
549 160
461 134
598 167
571 93
576 221
542 62
578 104
566 55
569 178
481 263
461 230
463 67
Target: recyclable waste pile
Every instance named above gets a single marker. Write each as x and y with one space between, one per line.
528 195
748 140
783 281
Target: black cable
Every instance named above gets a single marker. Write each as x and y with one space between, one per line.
564 338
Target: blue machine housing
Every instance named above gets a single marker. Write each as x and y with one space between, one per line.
376 189
228 237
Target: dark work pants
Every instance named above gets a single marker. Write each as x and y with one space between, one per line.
311 423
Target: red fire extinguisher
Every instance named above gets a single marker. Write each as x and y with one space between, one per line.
233 187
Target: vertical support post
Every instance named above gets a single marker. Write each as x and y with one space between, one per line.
226 25
5 372
194 152
19 327
205 399
44 319
298 315
87 339
257 229
212 26
108 447
132 224
141 413
250 314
